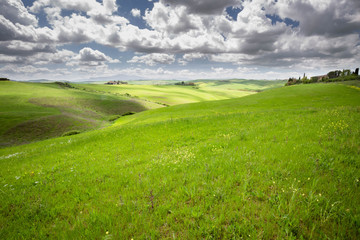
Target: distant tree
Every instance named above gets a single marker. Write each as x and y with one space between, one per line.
356 73
305 79
332 74
4 79
346 72
314 79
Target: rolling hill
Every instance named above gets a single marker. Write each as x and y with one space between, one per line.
169 94
280 164
35 111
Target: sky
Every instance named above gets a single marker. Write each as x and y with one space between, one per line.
78 40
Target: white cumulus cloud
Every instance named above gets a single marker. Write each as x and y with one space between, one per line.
154 59
135 12
90 57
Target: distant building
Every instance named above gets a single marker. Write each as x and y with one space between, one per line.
321 78
115 82
185 83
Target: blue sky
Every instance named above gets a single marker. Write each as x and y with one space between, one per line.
171 39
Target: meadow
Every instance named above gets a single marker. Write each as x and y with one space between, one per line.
279 164
36 111
165 92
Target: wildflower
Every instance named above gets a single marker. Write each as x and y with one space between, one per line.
273 182
107 232
308 179
17 177
319 194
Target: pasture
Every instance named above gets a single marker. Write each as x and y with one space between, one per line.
167 93
279 164
37 111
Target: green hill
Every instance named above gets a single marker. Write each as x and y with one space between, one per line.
34 111
280 164
205 90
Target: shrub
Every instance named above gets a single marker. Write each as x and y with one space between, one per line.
70 133
64 84
128 113
314 79
113 118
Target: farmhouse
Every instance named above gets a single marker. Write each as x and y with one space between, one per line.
321 78
115 82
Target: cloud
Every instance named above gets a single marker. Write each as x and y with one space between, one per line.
174 20
90 57
15 12
328 31
77 5
24 49
30 56
154 59
24 69
135 12
17 31
203 6
325 18
191 56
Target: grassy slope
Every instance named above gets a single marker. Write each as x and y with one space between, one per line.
241 84
169 94
279 164
33 111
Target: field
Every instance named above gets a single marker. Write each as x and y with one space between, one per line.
34 111
205 90
241 84
37 111
280 164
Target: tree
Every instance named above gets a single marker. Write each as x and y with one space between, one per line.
305 79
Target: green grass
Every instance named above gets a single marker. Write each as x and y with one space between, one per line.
280 164
34 111
355 83
173 95
241 84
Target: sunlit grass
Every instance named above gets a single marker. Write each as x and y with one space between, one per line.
168 94
33 111
281 164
